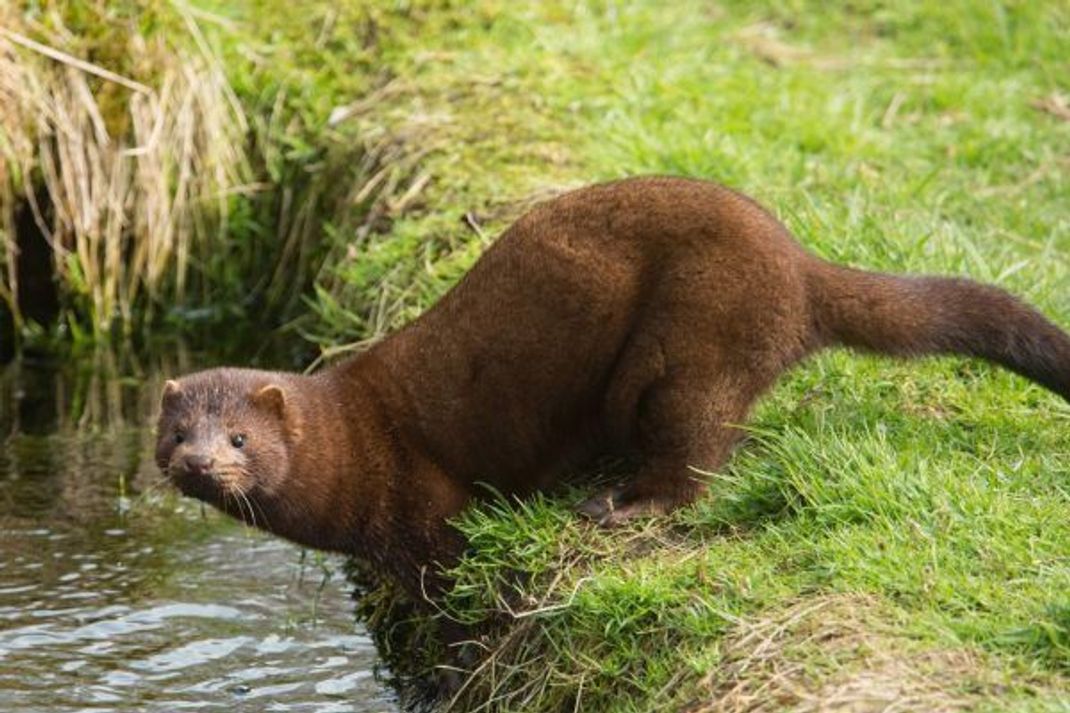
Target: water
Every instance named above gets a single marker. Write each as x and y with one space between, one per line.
116 594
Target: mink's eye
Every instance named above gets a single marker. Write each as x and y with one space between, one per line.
180 436
237 440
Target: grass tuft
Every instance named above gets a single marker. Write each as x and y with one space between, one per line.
176 169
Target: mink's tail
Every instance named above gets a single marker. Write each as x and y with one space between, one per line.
915 316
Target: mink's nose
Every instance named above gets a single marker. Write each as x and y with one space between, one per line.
199 465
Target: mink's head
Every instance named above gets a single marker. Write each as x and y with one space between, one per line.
225 436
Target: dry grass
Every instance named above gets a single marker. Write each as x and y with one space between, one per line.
842 653
127 197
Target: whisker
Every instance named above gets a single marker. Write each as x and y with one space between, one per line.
263 513
235 493
253 502
249 505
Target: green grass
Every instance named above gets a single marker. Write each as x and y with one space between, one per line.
920 508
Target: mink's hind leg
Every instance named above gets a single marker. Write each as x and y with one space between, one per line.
686 422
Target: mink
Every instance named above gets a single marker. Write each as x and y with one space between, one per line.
641 317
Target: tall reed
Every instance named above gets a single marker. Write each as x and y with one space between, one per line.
130 184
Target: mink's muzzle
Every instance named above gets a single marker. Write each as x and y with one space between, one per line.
194 476
198 465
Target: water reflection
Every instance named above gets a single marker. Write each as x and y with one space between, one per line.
117 595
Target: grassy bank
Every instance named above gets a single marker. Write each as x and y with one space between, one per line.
892 532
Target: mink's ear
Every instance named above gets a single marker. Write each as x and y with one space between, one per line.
171 391
272 398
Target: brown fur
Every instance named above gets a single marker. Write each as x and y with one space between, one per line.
638 317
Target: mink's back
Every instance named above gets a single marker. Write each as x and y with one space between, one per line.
508 373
